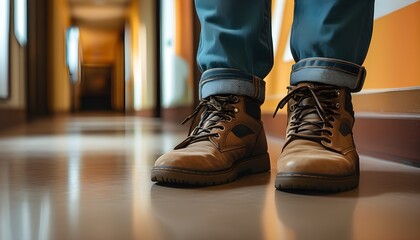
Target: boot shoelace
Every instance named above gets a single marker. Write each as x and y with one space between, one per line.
216 109
310 101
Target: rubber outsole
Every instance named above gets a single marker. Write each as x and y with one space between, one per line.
174 176
290 182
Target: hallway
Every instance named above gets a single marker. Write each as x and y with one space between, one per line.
88 177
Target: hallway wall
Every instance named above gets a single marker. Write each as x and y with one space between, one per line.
141 86
118 83
177 53
58 76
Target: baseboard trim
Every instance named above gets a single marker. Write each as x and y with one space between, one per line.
389 138
403 100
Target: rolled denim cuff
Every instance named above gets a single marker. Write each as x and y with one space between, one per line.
329 71
217 81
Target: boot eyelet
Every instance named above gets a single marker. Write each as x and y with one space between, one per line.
292 108
337 92
217 136
337 105
236 110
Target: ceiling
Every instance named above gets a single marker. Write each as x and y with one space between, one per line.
99 13
101 23
99 46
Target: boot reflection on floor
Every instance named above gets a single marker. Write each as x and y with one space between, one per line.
232 211
317 216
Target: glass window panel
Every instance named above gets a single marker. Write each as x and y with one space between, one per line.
20 21
4 48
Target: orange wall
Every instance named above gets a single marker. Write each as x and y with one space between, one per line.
392 62
118 80
59 83
184 46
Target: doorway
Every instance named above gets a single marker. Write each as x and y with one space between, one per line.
96 88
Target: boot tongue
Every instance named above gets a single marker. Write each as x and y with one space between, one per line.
211 121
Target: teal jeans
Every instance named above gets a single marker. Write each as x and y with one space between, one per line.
329 42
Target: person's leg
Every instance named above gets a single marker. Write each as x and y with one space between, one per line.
227 136
329 41
235 51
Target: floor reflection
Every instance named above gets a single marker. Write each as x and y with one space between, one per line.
317 216
88 178
232 211
5 215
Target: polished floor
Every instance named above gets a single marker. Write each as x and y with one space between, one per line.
88 177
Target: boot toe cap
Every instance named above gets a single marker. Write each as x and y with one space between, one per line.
316 162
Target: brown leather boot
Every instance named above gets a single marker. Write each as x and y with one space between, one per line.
228 140
319 153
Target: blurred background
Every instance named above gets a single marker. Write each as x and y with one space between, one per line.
67 56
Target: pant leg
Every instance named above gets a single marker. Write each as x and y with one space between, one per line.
330 40
235 51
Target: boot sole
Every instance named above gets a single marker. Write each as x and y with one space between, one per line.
253 165
290 182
